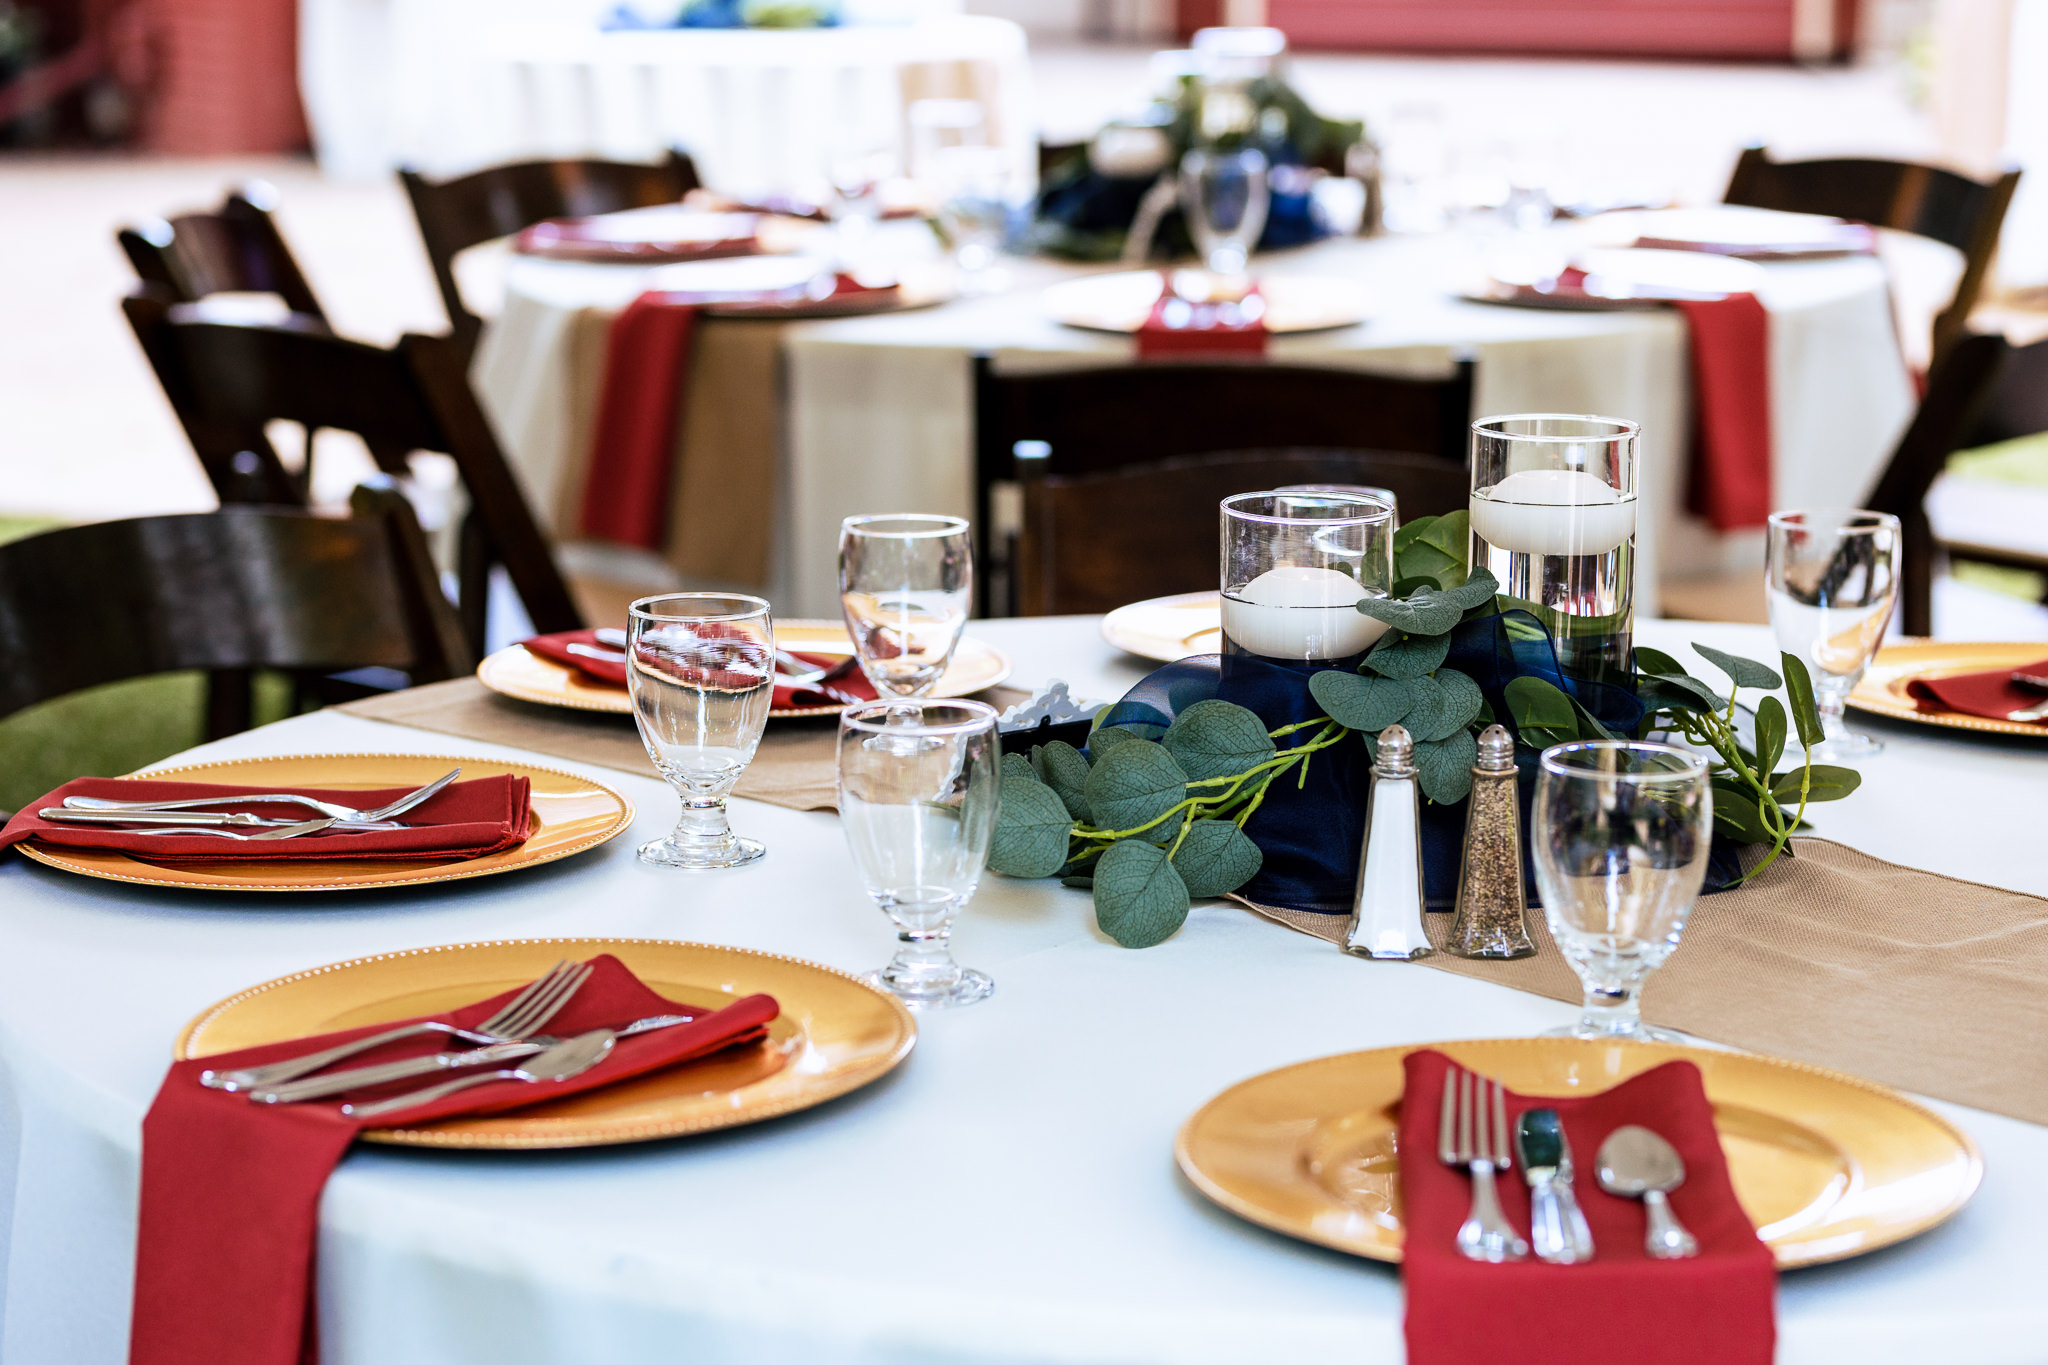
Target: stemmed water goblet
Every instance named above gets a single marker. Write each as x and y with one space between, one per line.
1224 196
701 673
918 818
905 582
1833 578
1619 832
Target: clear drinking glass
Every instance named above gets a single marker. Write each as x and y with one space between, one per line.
918 819
701 673
1553 511
1619 831
977 190
1833 578
1364 490
1296 565
905 583
1224 197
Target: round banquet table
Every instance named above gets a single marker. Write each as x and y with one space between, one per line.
879 410
1008 1195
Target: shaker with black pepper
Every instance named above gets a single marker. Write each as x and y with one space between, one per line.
1491 903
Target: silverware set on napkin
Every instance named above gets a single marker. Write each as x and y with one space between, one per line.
190 816
513 1034
790 671
1633 1163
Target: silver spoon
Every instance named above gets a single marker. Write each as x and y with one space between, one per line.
1636 1163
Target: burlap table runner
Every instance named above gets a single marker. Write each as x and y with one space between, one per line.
1922 982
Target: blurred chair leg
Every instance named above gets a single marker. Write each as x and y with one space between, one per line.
473 579
230 702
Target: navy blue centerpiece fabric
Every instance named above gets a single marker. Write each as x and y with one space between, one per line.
1310 826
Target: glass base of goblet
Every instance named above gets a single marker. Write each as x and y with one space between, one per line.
1846 746
702 856
1638 1032
923 991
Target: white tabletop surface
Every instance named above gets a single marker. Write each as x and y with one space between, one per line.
1008 1195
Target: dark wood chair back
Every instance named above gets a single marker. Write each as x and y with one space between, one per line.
235 249
1981 390
1093 542
226 380
454 215
1924 200
227 592
1125 435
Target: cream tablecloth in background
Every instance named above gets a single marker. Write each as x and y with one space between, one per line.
1007 1198
880 417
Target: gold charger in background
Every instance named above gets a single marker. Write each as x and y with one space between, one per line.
571 813
1168 628
1827 1166
514 672
1122 300
1882 692
833 1035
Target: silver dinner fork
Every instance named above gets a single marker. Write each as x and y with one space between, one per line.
330 809
524 1015
1472 1132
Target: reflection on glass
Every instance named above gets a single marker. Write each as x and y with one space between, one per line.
1833 579
905 584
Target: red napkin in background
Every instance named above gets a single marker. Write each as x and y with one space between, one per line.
1713 1309
1729 483
1993 695
845 675
1205 331
641 401
463 820
231 1189
604 238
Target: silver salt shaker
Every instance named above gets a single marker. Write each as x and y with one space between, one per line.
1386 918
1492 906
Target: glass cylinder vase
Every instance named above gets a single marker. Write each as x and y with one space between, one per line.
1296 565
1553 511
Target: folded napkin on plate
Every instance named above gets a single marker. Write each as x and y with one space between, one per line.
1712 1309
845 675
231 1189
663 232
1993 695
641 399
1178 326
465 820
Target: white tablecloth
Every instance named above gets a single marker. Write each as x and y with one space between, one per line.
881 416
1008 1196
448 86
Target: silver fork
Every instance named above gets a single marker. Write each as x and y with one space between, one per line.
524 1015
1472 1132
327 808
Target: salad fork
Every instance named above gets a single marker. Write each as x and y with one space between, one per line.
327 808
1472 1132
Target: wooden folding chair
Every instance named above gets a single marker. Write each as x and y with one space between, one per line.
236 249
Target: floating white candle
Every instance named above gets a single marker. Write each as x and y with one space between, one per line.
1553 512
1294 612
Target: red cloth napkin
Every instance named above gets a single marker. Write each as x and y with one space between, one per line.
599 238
1730 479
464 820
641 401
1204 331
1993 695
1713 1309
844 676
231 1189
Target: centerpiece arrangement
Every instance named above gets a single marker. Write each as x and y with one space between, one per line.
1247 772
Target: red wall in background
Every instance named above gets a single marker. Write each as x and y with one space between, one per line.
1659 28
226 77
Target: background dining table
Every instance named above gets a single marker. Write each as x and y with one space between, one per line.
1008 1195
878 410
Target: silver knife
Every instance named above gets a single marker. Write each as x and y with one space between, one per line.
200 819
1557 1226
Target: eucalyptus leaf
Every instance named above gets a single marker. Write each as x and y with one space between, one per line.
1139 899
1408 656
1805 711
1443 767
1589 724
1742 672
1659 692
1657 663
1463 701
1770 733
1736 813
1425 715
1134 784
1216 858
1411 532
1427 612
1016 767
1031 831
1078 883
1542 714
1217 738
1407 585
1060 766
1107 738
1360 702
1450 533
1828 783
1478 590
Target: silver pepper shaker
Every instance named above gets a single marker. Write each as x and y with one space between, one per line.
1386 918
1492 907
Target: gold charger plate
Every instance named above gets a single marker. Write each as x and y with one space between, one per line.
514 672
572 813
1121 301
1168 628
1827 1166
1882 692
833 1035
